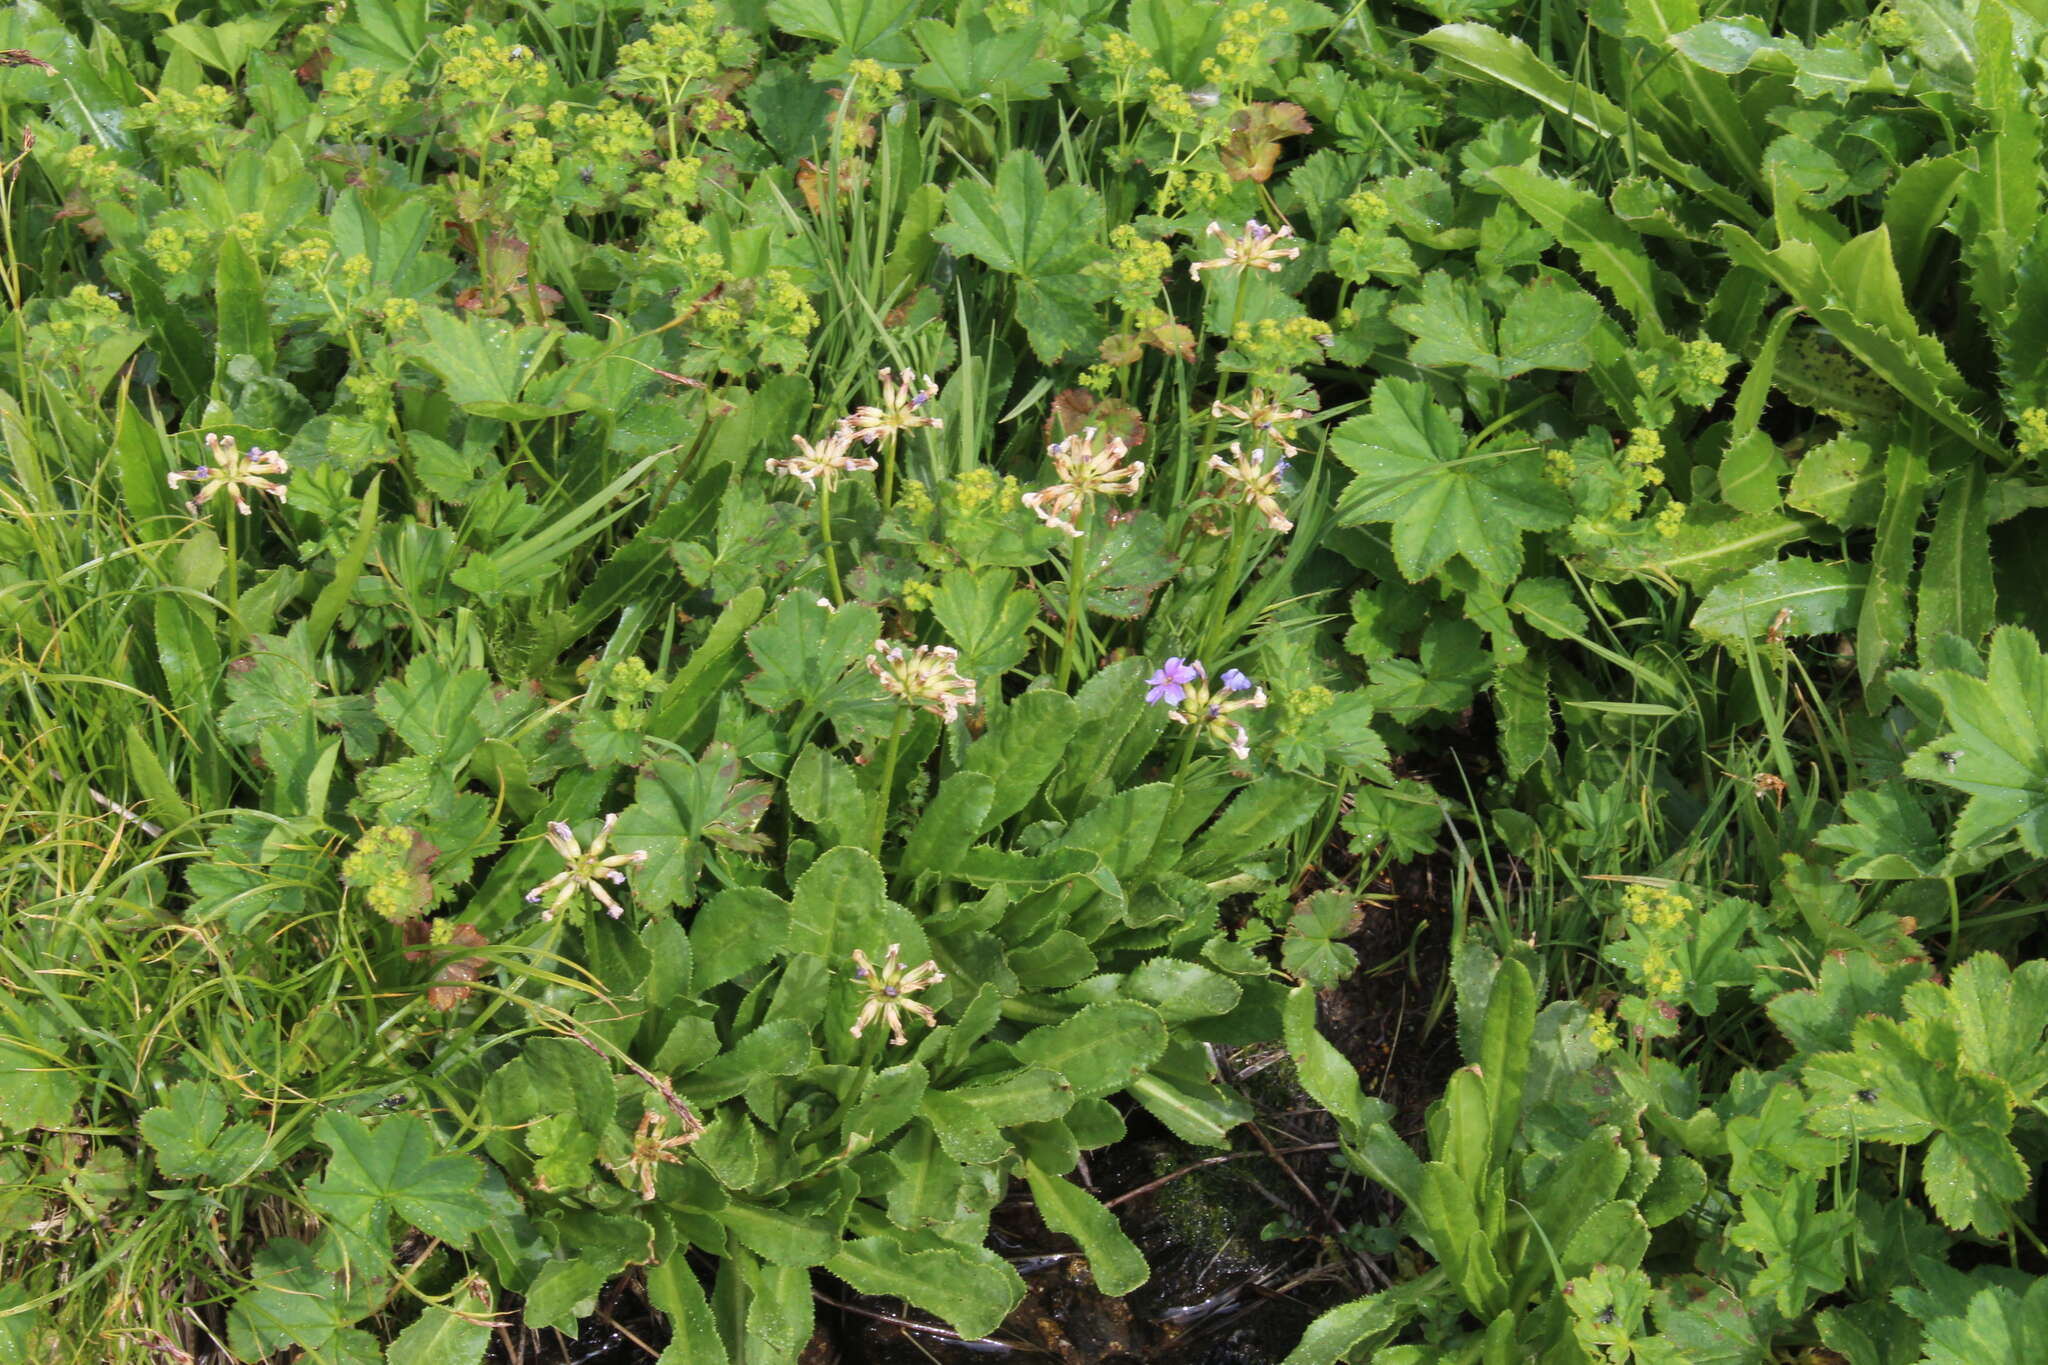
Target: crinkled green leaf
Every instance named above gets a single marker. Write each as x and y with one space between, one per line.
397 1167
1044 237
193 1139
1994 747
1414 472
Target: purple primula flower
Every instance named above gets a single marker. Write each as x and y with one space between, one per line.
1234 681
1169 684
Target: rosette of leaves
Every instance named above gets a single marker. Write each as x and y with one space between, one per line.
1075 909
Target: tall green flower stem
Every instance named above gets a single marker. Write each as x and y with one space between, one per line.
825 533
1225 586
881 821
889 470
1077 594
234 578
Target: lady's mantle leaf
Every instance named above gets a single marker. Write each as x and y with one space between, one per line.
396 1167
193 1139
970 63
1413 472
1045 237
1545 327
1996 747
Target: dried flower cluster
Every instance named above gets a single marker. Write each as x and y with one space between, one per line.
927 676
587 870
1258 247
233 473
1253 483
1084 469
902 407
889 990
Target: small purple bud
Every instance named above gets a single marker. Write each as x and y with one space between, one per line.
1234 681
533 897
891 991
1257 230
204 472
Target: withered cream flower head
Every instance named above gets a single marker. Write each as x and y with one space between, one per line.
232 472
1259 248
901 408
588 869
1268 419
823 462
889 990
1252 482
650 1148
1082 470
927 677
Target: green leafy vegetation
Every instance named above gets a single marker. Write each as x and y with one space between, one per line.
694 645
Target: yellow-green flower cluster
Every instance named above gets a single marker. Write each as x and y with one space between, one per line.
1660 974
357 98
188 118
92 176
529 174
170 248
1299 703
84 308
1601 1032
371 391
2033 433
1670 519
1004 15
979 489
870 88
386 868
673 234
614 134
1891 28
1644 455
485 67
1273 347
1656 907
1367 208
1236 63
1663 915
1134 266
1559 467
1126 61
306 260
630 681
1197 191
673 55
672 185
1702 370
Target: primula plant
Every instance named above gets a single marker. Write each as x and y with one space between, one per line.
676 650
